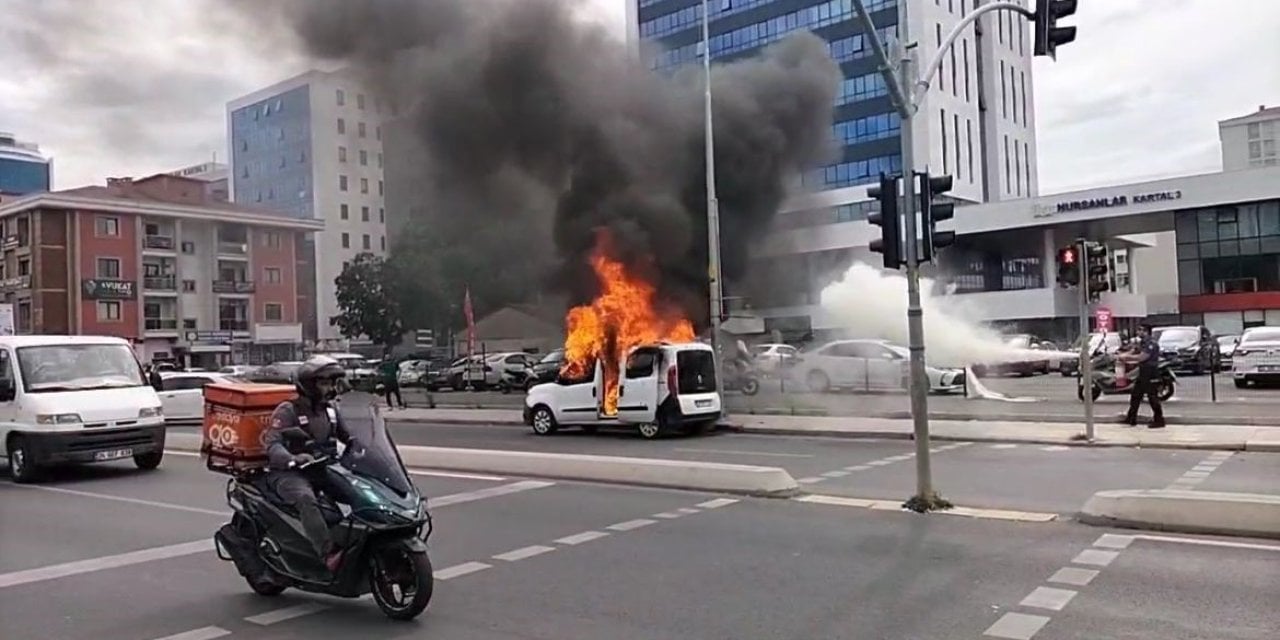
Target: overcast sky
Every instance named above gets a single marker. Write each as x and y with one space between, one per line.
133 87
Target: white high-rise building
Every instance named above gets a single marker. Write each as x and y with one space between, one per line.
1249 142
312 146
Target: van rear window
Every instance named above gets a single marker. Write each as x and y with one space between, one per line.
696 371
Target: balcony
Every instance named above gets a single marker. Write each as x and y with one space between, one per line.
227 324
160 283
160 324
233 286
156 242
239 249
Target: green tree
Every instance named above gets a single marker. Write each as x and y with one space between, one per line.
368 303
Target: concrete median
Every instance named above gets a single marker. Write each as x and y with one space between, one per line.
1234 514
652 472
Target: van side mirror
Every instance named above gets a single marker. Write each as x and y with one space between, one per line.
7 391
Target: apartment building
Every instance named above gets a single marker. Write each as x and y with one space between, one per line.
158 261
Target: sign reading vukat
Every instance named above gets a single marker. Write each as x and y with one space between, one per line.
1102 317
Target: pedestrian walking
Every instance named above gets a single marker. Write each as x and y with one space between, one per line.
390 370
1147 358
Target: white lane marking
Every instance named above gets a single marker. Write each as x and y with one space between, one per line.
898 458
491 492
1196 474
51 572
1048 598
454 474
189 454
1113 541
879 463
105 496
835 474
1095 557
287 613
810 480
666 515
860 467
688 511
733 452
203 633
526 552
1004 446
459 570
1001 514
1209 543
1222 455
1016 626
1056 447
579 538
717 503
1074 576
631 524
1205 468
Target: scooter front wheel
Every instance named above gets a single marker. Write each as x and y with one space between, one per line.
750 387
1165 390
1095 389
401 581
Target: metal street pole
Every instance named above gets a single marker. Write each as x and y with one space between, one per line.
713 207
1086 353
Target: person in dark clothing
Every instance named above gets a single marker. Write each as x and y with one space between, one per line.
312 411
153 378
390 374
1147 359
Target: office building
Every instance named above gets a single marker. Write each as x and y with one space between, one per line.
1250 141
23 169
311 148
215 175
989 150
156 260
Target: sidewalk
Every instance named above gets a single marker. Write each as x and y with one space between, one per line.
1234 438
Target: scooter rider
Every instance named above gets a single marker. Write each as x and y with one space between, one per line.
313 412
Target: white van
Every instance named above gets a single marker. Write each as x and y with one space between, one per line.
663 387
67 399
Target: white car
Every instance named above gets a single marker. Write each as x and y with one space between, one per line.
182 395
1257 356
869 365
663 387
773 357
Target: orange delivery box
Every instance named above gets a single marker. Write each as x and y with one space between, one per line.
236 418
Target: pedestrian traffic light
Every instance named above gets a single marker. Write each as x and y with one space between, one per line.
1049 36
932 212
889 221
1068 267
1098 269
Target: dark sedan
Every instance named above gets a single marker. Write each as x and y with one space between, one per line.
1191 349
546 369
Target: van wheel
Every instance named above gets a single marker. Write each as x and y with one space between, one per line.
21 467
149 461
544 422
652 430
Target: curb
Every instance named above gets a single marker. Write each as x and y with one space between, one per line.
649 472
1202 512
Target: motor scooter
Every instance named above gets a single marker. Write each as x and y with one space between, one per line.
1106 382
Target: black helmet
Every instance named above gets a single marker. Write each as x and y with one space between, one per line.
314 369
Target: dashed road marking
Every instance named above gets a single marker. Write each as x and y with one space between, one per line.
1016 626
139 501
579 538
631 525
769 454
835 474
1074 576
77 567
1004 446
1201 471
460 570
688 511
1096 558
1056 447
287 613
717 503
1049 598
860 467
203 633
524 552
879 463
455 474
491 492
667 515
1113 541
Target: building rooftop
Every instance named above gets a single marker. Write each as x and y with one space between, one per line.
1263 113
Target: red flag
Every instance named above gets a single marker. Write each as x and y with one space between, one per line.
471 322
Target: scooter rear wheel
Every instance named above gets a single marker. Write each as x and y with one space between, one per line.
387 581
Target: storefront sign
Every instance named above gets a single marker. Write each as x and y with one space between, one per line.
1102 317
209 337
1117 201
108 289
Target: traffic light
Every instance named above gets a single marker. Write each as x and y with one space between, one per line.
1098 269
932 212
889 221
1049 36
1068 266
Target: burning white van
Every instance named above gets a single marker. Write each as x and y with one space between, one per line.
664 387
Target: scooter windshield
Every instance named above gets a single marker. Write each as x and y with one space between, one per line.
378 458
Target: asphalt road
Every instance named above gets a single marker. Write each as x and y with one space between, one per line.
1027 477
668 565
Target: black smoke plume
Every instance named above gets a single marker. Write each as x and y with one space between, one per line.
532 120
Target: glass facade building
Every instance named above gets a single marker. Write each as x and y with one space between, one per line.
271 153
866 126
23 169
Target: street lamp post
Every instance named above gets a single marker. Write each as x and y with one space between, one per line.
713 207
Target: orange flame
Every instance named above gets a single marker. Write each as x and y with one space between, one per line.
621 317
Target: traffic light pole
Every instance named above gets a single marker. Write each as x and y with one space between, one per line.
1086 353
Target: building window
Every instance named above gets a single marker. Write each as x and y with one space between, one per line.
273 312
188 247
364 185
382 215
342 98
24 267
188 286
366 242
1004 90
1008 188
955 131
343 211
364 214
342 183
272 275
108 311
383 242
189 323
271 240
106 227
360 130
379 160
342 154
342 125
1026 164
942 86
378 131
359 100
109 268
346 240
364 158
1017 166
944 141
1255 130
381 190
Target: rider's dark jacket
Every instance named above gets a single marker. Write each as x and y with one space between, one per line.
322 423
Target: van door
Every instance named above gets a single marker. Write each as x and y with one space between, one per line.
638 389
576 400
8 398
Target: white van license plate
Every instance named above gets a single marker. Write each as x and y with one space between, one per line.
701 403
114 454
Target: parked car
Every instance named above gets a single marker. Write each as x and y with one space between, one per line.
546 369
774 357
1226 350
1257 357
1020 368
874 365
1102 343
182 395
1187 348
274 373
